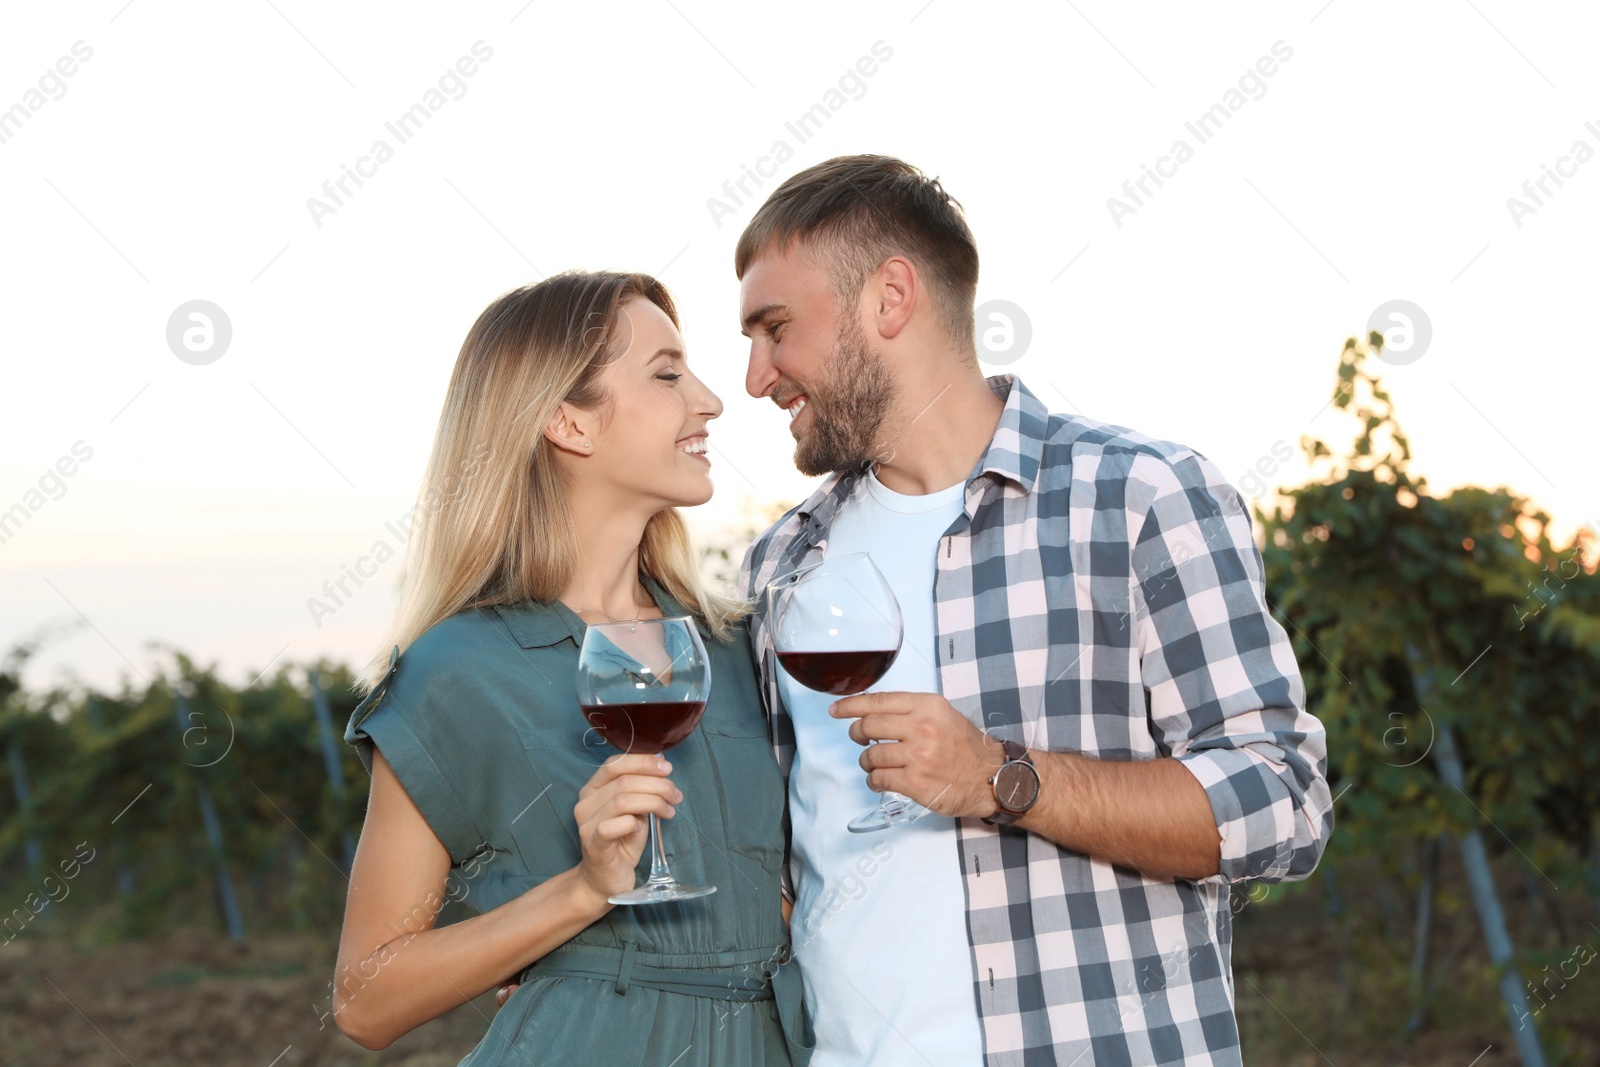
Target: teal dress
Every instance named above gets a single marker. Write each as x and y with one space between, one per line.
480 721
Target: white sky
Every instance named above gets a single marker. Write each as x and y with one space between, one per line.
178 162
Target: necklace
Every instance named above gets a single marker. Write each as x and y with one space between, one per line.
608 618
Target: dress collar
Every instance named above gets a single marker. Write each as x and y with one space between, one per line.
539 623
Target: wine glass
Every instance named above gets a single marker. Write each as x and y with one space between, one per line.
837 629
643 686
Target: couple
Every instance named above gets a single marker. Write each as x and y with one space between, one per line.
1092 697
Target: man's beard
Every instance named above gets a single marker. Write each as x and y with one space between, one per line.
847 418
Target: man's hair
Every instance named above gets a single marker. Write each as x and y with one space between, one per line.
851 213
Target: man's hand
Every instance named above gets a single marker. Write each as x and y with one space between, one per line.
503 994
938 758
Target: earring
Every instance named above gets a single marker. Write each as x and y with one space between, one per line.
586 444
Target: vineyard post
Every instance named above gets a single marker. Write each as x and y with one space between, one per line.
1419 956
1594 867
19 786
125 884
208 814
330 757
1337 912
1491 916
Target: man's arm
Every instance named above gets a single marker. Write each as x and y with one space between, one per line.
1242 793
1150 815
1225 695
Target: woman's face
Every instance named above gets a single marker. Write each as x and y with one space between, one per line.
652 445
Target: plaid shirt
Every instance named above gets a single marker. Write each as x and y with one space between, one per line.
1102 594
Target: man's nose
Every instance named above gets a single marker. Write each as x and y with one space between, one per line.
761 375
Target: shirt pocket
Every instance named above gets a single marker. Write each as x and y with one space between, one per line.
752 792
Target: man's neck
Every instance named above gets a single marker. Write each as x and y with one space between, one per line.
942 429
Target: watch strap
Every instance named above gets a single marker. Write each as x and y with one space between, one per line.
1014 753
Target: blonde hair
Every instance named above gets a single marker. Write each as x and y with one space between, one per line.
492 523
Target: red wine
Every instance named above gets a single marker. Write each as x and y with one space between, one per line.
651 727
838 673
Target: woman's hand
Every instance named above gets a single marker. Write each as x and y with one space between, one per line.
613 826
612 816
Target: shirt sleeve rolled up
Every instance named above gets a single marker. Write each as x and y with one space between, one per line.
1224 692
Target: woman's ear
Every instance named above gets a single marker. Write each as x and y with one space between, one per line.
568 429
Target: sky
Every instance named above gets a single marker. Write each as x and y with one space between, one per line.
1308 170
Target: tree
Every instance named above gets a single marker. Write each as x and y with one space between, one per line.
1451 649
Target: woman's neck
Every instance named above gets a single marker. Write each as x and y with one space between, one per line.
605 583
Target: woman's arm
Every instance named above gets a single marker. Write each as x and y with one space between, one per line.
395 971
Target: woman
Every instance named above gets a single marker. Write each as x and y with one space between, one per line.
572 428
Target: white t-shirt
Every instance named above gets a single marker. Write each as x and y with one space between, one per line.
880 919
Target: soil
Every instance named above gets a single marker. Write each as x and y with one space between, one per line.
194 997
1306 994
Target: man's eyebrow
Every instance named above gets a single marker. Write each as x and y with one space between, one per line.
762 312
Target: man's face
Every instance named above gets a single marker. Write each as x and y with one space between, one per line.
811 355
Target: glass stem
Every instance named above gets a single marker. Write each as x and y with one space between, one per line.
659 874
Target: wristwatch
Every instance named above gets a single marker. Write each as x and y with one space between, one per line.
1015 784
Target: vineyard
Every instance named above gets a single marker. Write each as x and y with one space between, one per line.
186 794
1451 648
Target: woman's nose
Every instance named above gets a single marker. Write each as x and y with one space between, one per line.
710 404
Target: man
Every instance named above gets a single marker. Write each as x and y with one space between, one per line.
1086 639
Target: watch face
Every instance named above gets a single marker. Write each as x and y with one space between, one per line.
1016 786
